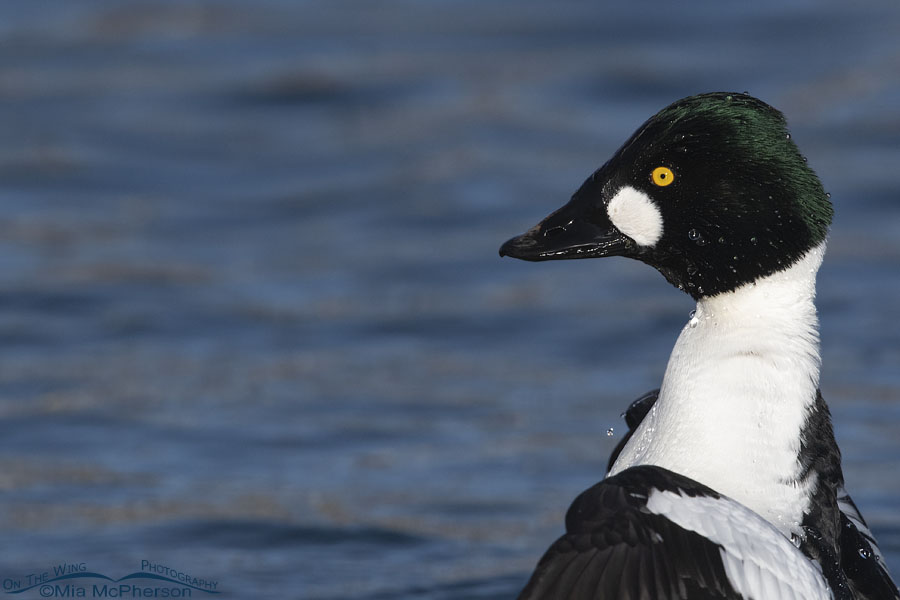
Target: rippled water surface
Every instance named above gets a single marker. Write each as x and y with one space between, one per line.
253 325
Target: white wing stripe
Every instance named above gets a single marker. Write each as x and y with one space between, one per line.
759 561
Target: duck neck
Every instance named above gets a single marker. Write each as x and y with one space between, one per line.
737 392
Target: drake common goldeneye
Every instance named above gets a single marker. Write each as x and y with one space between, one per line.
728 484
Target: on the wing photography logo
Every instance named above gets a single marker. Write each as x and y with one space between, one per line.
74 580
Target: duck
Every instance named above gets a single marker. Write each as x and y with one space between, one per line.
728 484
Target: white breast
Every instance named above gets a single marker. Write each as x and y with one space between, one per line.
736 394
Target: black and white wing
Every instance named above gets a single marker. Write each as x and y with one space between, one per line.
649 533
835 533
853 563
861 559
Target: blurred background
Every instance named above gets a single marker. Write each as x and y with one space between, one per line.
253 324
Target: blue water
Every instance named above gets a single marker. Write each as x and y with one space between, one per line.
253 325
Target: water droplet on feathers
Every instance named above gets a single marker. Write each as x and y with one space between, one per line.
696 237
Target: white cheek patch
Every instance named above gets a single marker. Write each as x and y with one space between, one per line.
635 215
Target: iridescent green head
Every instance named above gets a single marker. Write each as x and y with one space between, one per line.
711 191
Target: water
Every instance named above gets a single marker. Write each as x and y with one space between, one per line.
252 320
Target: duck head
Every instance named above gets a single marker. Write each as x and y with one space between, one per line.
711 191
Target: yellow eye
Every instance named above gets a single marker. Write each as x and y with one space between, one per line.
662 176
